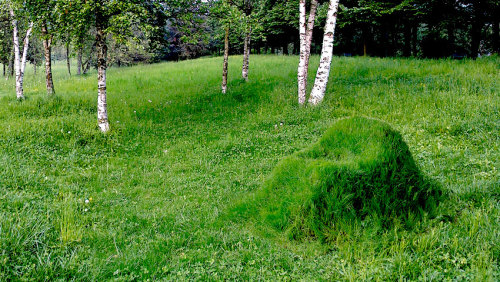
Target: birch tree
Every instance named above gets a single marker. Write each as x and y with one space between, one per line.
19 58
226 59
246 55
109 17
306 33
227 6
228 15
47 52
247 7
319 89
45 14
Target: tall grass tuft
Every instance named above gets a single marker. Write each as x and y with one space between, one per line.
70 230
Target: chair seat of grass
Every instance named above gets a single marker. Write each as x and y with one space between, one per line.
360 169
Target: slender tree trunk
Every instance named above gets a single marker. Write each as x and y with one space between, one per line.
23 59
86 64
226 61
246 56
102 106
17 59
68 62
301 78
20 60
11 63
309 33
34 68
86 67
319 89
365 35
4 74
496 36
79 61
306 35
47 51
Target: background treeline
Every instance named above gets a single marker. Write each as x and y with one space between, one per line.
418 28
189 29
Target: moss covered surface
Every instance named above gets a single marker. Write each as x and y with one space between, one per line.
360 171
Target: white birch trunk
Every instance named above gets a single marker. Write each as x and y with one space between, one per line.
102 105
226 61
309 34
306 33
319 89
20 60
301 78
25 50
246 56
47 51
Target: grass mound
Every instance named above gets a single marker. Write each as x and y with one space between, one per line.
360 169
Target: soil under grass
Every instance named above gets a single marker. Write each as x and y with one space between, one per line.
180 154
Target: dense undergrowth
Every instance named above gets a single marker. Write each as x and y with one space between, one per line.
145 201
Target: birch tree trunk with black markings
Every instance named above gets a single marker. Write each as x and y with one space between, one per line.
301 79
226 61
319 89
309 35
246 56
306 33
20 59
102 106
47 51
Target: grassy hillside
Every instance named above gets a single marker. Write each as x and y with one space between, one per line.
145 201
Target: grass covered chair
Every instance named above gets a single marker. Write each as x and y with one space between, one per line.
360 169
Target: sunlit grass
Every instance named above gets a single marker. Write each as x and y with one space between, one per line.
180 153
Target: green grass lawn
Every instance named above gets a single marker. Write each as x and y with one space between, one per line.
180 154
